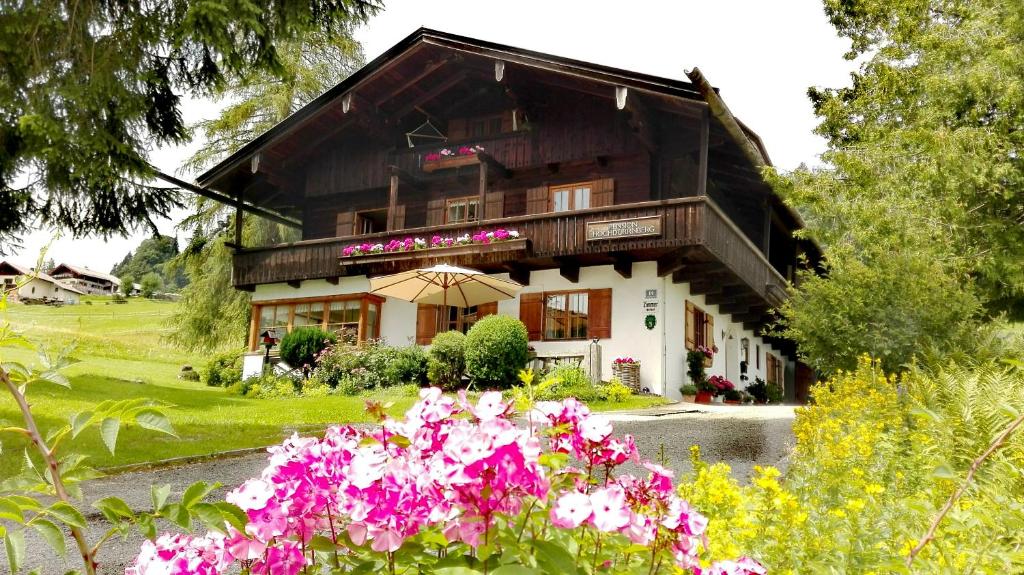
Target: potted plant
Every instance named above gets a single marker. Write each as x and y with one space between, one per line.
689 392
732 396
775 393
695 371
720 385
627 370
759 390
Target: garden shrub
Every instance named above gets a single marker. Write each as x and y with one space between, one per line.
300 347
407 366
688 389
272 386
223 369
447 362
759 390
312 387
497 347
615 391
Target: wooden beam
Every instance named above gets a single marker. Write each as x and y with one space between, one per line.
623 264
228 200
427 70
392 201
641 123
705 288
696 271
731 295
333 280
519 274
295 283
431 94
753 314
238 225
482 191
246 287
741 305
495 165
671 262
569 268
717 107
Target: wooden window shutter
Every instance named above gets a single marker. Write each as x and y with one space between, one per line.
709 336
426 323
537 200
506 121
345 224
691 327
600 314
603 193
531 313
400 217
495 205
435 212
457 129
486 309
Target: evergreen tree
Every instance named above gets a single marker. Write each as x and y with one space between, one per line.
212 313
89 86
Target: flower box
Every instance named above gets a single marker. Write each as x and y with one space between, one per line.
448 162
628 374
518 245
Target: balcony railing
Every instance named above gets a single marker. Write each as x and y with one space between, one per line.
685 222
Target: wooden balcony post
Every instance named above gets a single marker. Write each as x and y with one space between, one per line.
392 201
482 203
238 227
702 170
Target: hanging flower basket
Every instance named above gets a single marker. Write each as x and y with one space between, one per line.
627 370
447 158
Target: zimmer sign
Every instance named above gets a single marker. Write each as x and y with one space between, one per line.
627 228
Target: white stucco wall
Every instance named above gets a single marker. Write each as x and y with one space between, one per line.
661 351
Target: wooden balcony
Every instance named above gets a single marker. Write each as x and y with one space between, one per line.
696 243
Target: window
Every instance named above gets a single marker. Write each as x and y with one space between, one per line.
353 318
571 197
700 329
484 127
757 356
774 369
565 315
461 210
372 221
459 319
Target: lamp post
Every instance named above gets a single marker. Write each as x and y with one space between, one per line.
269 338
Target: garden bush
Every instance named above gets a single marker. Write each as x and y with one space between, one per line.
496 349
688 389
271 386
408 366
223 369
566 380
300 347
615 391
447 362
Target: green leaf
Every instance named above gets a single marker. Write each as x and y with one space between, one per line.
399 440
553 558
945 472
14 543
159 495
456 571
114 509
514 569
11 510
234 515
196 492
52 534
80 421
368 567
67 514
154 421
321 543
108 431
209 515
178 514
147 526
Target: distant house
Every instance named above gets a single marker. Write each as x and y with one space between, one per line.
87 280
23 284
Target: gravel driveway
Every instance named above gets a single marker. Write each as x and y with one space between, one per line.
742 436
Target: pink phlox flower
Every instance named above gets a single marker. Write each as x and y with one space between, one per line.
284 558
251 495
595 428
243 548
571 510
661 478
488 407
742 566
368 465
609 504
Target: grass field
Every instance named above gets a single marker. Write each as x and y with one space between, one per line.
122 355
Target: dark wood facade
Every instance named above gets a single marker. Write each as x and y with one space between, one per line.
645 146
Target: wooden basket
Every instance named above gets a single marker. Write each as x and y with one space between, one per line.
628 374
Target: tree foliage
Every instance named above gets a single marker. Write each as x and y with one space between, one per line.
924 174
150 284
153 255
214 314
88 87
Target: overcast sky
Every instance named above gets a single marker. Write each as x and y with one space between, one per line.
761 55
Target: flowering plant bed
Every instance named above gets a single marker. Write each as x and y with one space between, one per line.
451 158
414 244
455 487
720 385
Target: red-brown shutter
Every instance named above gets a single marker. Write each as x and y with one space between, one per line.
691 327
426 323
344 225
602 193
709 335
400 217
494 207
537 200
486 309
435 212
531 313
457 129
600 314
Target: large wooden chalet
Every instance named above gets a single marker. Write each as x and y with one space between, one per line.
642 217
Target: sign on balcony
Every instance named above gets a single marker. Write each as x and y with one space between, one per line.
626 228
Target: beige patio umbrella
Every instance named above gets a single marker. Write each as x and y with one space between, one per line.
445 285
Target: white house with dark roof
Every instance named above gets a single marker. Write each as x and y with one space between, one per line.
86 280
23 284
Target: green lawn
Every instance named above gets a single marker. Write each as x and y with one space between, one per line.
122 355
